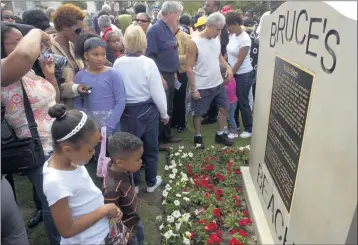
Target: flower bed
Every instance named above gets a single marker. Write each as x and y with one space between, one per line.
202 200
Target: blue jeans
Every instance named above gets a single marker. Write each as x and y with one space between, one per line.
231 122
142 120
138 239
243 86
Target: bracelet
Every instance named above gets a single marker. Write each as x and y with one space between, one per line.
194 91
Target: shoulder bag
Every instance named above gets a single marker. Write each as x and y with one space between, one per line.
21 155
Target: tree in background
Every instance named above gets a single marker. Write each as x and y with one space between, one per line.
81 4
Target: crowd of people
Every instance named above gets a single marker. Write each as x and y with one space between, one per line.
115 87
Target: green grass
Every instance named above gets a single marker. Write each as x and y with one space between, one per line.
149 205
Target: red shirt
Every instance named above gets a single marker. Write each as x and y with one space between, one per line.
104 37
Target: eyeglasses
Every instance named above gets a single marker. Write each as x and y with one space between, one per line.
141 21
7 17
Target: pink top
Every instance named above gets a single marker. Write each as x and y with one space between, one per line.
231 91
41 95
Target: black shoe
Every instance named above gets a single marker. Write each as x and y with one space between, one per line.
35 219
208 120
173 139
222 139
180 129
198 142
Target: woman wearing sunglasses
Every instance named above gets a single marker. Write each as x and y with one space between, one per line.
68 22
143 20
7 16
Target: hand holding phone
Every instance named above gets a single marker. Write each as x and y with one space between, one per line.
84 89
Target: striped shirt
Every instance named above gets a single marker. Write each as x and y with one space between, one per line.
118 188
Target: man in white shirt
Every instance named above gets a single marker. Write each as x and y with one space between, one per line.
203 60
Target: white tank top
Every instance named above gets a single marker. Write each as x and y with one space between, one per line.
207 67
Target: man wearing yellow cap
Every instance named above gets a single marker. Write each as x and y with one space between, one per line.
199 26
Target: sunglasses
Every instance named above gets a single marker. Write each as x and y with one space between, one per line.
7 17
141 21
78 30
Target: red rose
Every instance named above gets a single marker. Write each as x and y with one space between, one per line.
186 190
210 187
217 213
235 197
210 167
207 195
238 189
204 183
209 241
211 227
202 221
215 238
238 203
220 177
219 233
246 213
191 235
219 192
244 150
245 221
213 158
218 198
243 233
232 150
233 231
234 241
224 151
237 172
231 162
206 159
196 176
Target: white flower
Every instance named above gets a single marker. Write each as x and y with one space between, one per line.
184 155
175 170
177 226
171 148
187 233
176 214
161 227
186 241
166 167
170 219
158 218
167 186
180 165
186 217
190 154
196 212
181 147
172 176
212 147
178 195
172 161
241 148
185 192
171 166
191 180
168 234
177 154
164 202
225 147
247 147
174 165
170 181
198 145
186 199
176 203
165 193
180 151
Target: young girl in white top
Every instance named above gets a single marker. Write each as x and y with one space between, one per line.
77 205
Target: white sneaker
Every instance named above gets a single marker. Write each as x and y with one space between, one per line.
226 131
136 189
153 188
245 135
233 136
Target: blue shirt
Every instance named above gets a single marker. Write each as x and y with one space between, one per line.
162 47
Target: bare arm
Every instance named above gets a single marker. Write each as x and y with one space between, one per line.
24 56
69 227
242 54
228 75
191 55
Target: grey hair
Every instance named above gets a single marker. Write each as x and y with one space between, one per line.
106 8
171 7
122 145
216 18
159 15
104 21
49 11
115 33
88 22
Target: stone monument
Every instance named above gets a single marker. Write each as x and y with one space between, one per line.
301 184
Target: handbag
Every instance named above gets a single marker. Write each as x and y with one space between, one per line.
103 160
20 155
118 234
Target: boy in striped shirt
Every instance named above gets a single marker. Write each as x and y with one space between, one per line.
125 151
